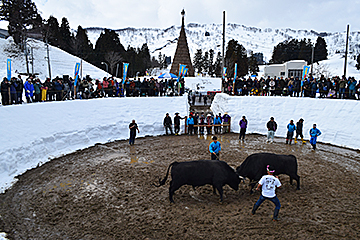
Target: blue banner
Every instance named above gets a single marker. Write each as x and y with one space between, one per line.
305 72
182 68
235 72
224 72
185 71
9 69
125 70
76 74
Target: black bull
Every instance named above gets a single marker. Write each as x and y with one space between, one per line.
254 167
198 173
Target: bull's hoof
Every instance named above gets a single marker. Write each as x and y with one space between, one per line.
220 202
297 188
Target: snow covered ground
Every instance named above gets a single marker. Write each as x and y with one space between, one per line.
34 133
337 119
62 63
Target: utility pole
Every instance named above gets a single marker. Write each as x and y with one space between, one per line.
223 49
48 56
26 57
347 48
312 59
32 60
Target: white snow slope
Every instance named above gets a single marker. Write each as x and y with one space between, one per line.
62 63
337 119
34 133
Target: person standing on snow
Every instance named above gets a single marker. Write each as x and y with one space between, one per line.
168 124
299 131
217 121
314 133
290 133
209 122
29 90
215 148
243 125
190 123
177 119
226 120
268 184
271 126
133 127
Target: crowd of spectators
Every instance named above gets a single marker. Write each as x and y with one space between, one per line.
335 87
62 88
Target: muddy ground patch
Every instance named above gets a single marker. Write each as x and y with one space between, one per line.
106 192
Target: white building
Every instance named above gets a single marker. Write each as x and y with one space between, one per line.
292 68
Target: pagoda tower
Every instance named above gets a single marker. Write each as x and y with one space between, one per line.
182 54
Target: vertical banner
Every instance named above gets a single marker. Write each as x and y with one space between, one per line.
185 71
76 74
181 71
235 72
125 70
305 71
224 71
8 69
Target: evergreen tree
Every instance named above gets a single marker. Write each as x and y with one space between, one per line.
253 65
292 50
108 42
320 50
198 61
206 62
358 62
51 32
217 65
211 62
22 15
83 48
236 53
67 39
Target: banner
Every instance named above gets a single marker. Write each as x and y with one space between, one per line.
224 72
182 68
125 70
76 74
235 72
9 69
306 72
185 71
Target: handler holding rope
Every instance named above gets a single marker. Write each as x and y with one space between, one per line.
268 184
215 148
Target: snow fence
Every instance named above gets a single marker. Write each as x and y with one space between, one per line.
337 119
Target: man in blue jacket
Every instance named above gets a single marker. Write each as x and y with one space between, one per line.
215 148
290 133
314 133
190 123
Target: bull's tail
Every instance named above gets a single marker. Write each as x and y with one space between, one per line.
162 182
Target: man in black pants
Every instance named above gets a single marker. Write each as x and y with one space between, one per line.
168 124
177 119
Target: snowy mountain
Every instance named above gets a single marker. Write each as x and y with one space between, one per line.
165 41
252 38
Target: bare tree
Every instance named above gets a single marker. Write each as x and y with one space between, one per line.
113 58
322 69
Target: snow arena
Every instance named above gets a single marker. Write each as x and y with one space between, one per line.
68 172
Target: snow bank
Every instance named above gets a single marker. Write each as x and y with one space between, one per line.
34 133
336 119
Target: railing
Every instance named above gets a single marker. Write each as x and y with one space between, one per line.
211 125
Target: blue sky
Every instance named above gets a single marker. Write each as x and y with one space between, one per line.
317 15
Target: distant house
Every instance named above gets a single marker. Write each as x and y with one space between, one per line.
4 33
292 68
